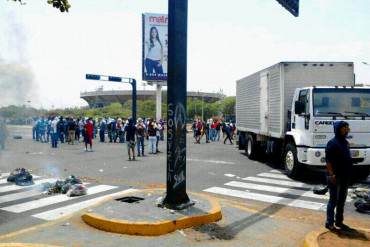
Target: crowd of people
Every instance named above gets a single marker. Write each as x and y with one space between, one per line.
72 130
212 130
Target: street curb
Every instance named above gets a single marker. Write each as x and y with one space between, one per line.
311 239
144 228
25 245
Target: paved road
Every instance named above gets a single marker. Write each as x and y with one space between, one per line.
214 168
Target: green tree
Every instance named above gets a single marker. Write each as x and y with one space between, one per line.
62 5
228 105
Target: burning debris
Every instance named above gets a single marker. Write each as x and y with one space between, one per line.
21 176
72 186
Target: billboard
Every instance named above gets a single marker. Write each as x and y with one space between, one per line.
155 47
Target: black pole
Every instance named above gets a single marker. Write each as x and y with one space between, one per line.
176 197
133 84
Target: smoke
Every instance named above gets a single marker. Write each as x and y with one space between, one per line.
17 84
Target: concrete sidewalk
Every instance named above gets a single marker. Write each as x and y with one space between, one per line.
242 224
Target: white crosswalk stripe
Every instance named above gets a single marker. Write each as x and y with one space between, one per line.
267 198
23 207
63 211
278 182
276 188
22 199
274 175
37 183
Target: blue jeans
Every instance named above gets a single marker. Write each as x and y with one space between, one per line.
153 141
338 195
54 140
140 145
153 66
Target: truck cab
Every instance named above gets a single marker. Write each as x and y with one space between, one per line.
310 126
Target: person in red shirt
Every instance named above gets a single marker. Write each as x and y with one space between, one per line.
89 131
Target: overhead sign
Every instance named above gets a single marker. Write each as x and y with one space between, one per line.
155 43
291 5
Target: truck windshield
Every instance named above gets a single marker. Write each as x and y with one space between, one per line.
341 102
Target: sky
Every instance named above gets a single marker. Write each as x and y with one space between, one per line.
45 54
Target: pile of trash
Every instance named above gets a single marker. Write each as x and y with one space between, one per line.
361 192
21 176
72 186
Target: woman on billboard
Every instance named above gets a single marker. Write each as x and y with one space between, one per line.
154 57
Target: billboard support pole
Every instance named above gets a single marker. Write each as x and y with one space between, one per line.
176 197
158 101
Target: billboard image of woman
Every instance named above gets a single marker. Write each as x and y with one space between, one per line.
154 55
155 35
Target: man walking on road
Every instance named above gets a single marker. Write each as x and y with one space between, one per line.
130 130
339 167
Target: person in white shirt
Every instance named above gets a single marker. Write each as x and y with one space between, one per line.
54 132
154 57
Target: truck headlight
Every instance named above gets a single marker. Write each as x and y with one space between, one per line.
323 160
317 154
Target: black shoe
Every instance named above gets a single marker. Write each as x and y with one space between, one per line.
330 227
138 155
342 226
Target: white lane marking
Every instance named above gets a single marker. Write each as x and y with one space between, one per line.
23 195
212 161
276 171
278 182
22 207
275 189
4 180
4 174
229 175
267 198
271 175
37 183
70 209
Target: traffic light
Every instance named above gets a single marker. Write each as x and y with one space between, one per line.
92 77
291 5
114 78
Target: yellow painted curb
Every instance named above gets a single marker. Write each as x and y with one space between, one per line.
144 228
311 239
25 245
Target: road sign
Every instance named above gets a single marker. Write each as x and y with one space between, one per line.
291 5
92 77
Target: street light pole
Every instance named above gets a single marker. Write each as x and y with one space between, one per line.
176 197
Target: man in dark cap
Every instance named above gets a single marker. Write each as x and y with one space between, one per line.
130 130
339 166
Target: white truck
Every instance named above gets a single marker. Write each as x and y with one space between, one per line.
288 111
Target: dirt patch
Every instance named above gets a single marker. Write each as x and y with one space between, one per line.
345 238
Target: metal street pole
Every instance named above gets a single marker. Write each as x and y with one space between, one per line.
176 197
133 84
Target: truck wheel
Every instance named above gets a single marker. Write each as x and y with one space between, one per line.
291 164
251 148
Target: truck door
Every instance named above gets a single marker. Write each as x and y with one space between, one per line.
264 103
302 121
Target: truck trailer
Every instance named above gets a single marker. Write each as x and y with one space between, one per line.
287 111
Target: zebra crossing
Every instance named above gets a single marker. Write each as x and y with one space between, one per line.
273 187
32 201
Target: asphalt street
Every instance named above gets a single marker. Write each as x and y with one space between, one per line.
217 169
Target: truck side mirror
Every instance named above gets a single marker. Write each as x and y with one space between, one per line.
299 107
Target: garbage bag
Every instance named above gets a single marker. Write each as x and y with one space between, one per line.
66 187
20 176
362 206
77 190
73 180
320 190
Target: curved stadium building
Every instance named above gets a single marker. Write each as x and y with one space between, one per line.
101 98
